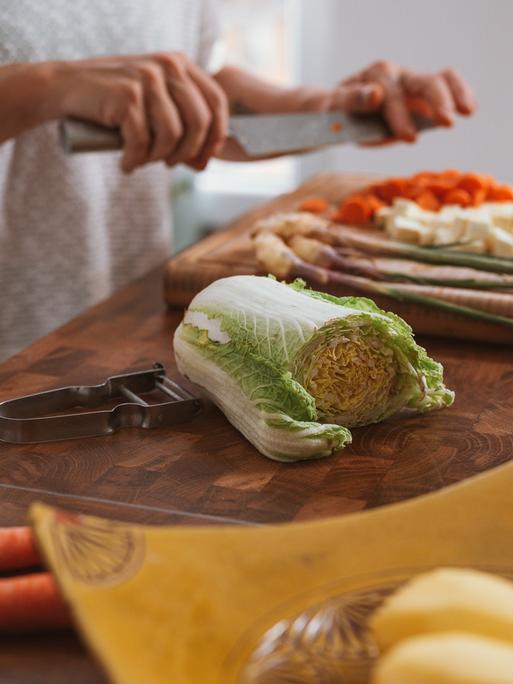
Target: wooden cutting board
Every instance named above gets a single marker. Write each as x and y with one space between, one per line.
230 252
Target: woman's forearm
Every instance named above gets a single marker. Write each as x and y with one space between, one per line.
248 94
26 97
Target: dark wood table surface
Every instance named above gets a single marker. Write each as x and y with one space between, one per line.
204 471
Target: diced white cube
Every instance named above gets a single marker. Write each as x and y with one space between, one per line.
381 215
405 207
504 222
501 243
477 229
451 211
408 230
444 235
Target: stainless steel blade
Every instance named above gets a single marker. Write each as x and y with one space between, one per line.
259 134
268 134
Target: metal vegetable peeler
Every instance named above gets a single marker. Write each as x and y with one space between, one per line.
29 419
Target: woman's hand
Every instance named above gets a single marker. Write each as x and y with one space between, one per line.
167 108
397 92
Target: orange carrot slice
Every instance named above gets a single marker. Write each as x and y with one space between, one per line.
458 196
479 196
17 549
472 182
355 210
440 187
450 173
388 191
428 201
374 202
314 205
501 193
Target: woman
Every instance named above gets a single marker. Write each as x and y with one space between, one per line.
73 229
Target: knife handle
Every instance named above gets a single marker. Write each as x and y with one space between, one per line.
76 136
83 136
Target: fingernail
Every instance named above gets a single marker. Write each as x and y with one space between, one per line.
446 118
409 135
200 165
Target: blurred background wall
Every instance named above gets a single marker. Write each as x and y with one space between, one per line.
474 36
321 41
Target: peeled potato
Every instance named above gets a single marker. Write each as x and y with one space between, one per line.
447 600
447 658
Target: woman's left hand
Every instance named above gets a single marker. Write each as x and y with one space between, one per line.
397 93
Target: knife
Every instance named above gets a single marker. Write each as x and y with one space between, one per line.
258 134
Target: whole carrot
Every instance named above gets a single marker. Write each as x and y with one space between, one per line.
31 602
17 549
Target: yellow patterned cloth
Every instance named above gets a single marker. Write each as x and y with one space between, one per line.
282 603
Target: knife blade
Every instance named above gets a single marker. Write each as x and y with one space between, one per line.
257 134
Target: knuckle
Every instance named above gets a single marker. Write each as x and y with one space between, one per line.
151 73
449 72
168 138
383 65
170 61
133 93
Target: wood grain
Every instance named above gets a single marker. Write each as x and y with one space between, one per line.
205 471
230 252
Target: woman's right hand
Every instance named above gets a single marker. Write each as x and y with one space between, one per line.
167 108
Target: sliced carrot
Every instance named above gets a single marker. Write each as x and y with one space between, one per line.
501 193
478 197
314 205
29 602
374 203
472 182
458 196
424 179
17 549
450 173
388 191
414 191
428 201
355 210
440 187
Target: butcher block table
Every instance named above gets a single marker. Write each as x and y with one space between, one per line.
204 471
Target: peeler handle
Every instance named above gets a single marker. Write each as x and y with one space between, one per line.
33 418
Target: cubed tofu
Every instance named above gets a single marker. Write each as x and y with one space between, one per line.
501 243
408 230
450 658
381 215
444 235
477 229
445 600
405 207
451 211
504 222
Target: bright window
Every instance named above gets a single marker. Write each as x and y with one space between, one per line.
258 35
